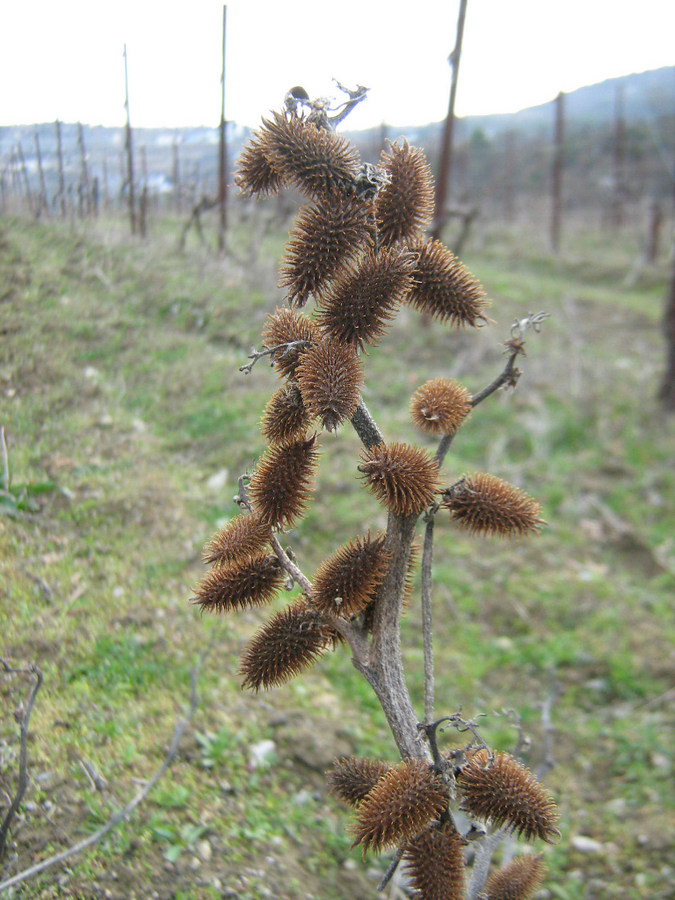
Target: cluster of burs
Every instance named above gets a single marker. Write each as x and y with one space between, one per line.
359 250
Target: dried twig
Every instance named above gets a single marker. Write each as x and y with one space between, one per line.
23 718
391 868
5 461
126 811
256 355
427 633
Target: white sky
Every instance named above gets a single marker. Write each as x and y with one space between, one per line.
63 58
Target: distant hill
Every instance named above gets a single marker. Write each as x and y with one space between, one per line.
646 96
648 100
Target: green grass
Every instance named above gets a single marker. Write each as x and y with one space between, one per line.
121 396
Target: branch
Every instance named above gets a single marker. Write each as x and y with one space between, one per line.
355 97
290 566
365 427
391 868
481 866
427 635
23 717
515 347
126 811
256 355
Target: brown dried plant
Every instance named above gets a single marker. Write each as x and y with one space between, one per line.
359 250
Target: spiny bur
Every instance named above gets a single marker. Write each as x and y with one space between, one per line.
485 505
518 880
324 239
285 417
243 537
288 326
399 806
256 174
504 792
346 582
362 302
434 863
444 289
330 377
283 481
287 644
404 205
319 162
440 406
404 478
249 582
352 778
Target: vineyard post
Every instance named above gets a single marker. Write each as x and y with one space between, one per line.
556 179
42 203
62 182
222 162
129 149
445 162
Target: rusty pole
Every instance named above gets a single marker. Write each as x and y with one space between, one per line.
445 162
222 172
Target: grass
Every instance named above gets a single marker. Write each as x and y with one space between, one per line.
121 399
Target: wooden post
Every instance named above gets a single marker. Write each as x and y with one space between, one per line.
667 391
106 187
222 161
618 160
175 177
84 171
556 179
445 162
654 222
129 148
143 205
62 182
28 194
510 176
42 204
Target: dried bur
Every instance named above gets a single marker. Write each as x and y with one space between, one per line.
434 862
290 642
440 406
404 478
352 778
487 506
399 806
359 250
500 790
518 880
347 582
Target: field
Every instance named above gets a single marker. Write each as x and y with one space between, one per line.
127 424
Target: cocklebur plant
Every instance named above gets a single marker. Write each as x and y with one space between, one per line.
359 251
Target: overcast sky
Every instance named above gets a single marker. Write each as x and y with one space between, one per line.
63 58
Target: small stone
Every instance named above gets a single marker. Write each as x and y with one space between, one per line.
660 761
195 862
218 480
302 798
204 850
617 806
585 844
261 753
